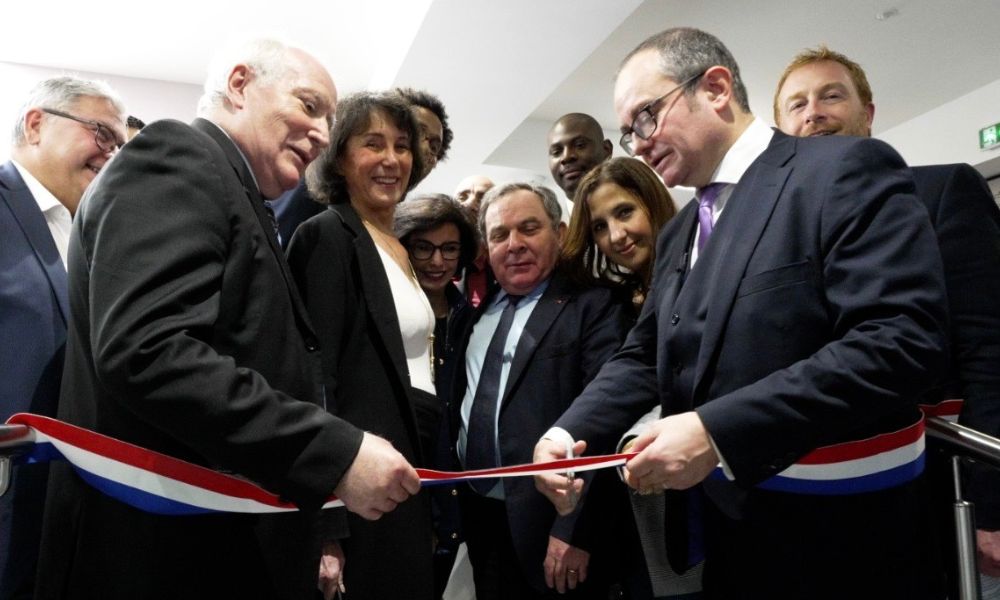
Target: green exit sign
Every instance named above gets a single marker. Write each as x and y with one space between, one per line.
989 137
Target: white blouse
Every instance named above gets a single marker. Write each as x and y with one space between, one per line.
416 322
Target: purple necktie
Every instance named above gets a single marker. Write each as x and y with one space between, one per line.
706 199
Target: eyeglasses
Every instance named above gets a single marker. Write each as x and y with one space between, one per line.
104 138
421 250
644 122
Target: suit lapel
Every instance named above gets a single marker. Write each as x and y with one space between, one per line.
32 222
257 205
736 235
378 294
542 317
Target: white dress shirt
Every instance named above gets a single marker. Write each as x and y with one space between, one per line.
56 215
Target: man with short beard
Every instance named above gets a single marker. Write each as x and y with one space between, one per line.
823 92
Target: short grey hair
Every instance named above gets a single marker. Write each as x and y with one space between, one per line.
548 198
62 93
264 56
686 52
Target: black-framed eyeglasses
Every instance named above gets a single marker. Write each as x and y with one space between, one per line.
103 137
644 122
422 250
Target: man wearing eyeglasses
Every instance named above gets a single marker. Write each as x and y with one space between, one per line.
65 132
797 313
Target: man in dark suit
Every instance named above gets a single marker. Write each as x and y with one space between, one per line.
188 337
823 92
536 344
799 304
55 155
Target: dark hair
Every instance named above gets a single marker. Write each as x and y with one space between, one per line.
685 52
580 254
432 103
326 183
134 122
429 211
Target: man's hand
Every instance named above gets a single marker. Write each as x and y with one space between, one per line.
988 543
674 453
331 570
562 492
565 565
378 479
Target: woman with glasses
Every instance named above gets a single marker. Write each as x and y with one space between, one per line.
619 208
374 325
441 240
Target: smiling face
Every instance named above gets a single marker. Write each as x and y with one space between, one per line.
820 98
284 121
523 244
575 147
376 165
620 227
687 143
62 153
435 272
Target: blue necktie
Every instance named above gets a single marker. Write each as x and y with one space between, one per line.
481 438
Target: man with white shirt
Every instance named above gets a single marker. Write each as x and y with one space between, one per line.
797 313
67 129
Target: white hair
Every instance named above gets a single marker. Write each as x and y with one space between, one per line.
264 56
62 93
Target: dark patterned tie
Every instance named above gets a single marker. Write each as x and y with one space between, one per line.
481 439
274 221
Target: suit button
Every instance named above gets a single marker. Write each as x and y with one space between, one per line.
675 319
678 368
454 536
454 492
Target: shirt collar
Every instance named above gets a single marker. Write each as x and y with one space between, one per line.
46 201
751 144
532 295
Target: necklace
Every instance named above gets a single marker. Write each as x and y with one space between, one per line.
387 243
407 269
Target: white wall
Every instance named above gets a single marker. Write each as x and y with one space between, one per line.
147 99
950 133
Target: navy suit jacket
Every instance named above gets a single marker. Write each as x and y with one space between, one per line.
33 315
815 315
571 332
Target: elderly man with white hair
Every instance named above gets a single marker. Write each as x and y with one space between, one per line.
187 337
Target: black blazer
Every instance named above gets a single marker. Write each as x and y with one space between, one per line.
569 335
815 315
189 338
344 285
966 221
33 314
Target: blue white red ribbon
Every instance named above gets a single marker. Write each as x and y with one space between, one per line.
157 483
877 463
161 484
